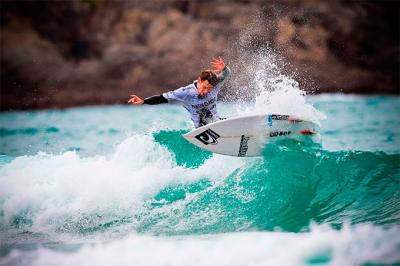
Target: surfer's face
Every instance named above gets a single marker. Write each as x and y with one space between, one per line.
203 87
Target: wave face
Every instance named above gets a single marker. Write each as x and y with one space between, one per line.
290 187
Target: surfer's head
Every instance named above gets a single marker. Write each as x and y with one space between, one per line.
206 82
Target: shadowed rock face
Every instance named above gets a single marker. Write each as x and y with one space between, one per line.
58 54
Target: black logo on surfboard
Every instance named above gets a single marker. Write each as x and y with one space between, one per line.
279 133
279 117
208 137
243 146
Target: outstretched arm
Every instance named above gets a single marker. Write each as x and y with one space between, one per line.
157 99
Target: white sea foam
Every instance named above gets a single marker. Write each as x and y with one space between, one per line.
354 245
59 192
272 90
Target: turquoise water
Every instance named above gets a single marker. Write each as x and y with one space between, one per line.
119 185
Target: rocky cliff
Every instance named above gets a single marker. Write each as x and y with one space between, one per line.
58 54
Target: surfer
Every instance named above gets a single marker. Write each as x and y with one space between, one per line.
199 97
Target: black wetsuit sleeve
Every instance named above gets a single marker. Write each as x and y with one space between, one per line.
156 99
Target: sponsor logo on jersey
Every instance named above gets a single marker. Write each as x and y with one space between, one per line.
279 133
203 104
208 137
243 146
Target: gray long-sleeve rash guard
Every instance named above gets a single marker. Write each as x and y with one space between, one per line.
202 109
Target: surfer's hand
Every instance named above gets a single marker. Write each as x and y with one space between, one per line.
218 64
135 100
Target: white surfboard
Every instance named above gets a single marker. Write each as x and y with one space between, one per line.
247 136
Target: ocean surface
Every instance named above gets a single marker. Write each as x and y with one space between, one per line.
118 185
